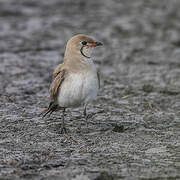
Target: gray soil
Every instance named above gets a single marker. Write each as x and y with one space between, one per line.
134 125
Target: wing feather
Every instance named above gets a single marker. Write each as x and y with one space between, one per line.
58 78
55 85
98 76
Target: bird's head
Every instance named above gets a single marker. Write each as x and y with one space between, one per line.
81 45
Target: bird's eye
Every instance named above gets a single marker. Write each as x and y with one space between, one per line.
84 43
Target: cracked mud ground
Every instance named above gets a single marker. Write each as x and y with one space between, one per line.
134 126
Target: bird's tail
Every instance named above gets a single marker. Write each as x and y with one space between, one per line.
52 107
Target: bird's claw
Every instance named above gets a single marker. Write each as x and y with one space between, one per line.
63 130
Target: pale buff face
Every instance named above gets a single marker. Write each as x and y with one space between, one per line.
81 45
87 49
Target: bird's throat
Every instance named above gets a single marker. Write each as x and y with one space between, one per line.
82 52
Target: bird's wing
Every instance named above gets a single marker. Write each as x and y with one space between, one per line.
98 76
58 77
57 70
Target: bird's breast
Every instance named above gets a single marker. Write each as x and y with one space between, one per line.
78 88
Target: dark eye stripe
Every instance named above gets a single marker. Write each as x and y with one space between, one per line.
84 43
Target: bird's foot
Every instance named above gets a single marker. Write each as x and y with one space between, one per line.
63 130
88 116
78 129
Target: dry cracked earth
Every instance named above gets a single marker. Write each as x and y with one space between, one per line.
134 125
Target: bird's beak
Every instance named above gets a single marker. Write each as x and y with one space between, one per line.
96 44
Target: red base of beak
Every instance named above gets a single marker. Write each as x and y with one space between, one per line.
93 45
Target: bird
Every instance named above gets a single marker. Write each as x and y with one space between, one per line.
76 81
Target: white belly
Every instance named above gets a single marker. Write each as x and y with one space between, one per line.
78 89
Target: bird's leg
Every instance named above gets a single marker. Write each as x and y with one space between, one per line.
63 128
85 115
